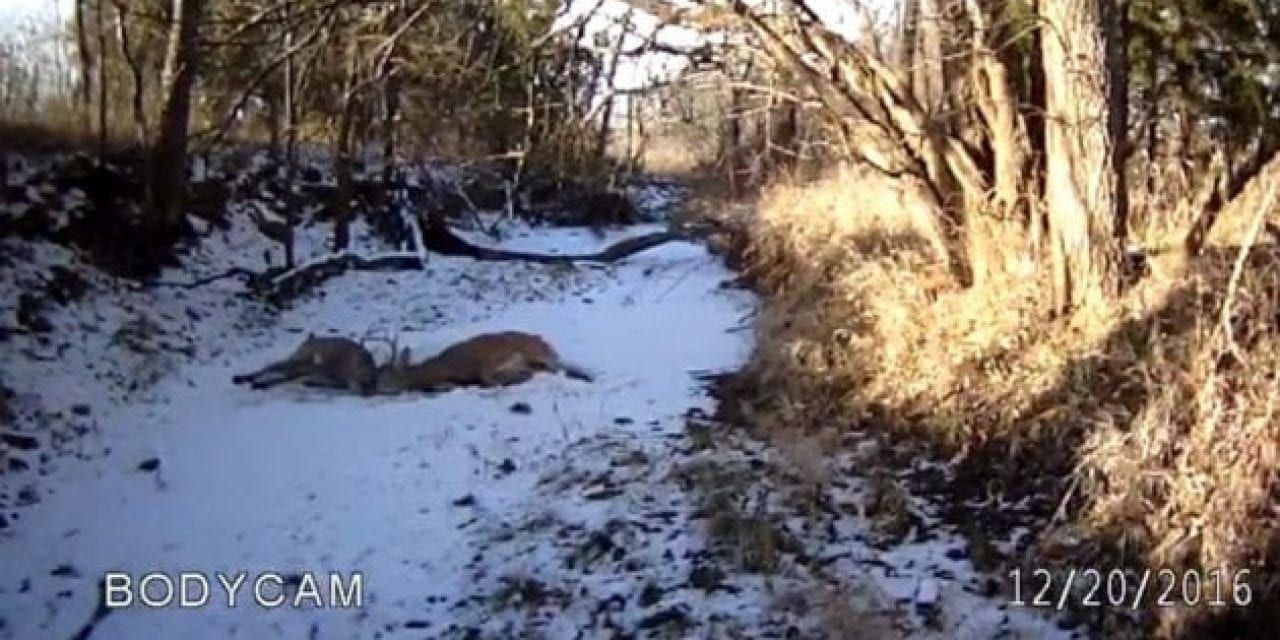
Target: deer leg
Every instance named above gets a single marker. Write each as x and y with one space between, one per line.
313 380
279 373
256 376
362 387
248 378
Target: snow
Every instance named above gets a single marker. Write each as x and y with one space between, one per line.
573 491
299 479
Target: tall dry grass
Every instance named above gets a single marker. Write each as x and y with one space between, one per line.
1141 436
678 150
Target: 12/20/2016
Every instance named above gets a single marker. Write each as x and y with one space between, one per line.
1118 588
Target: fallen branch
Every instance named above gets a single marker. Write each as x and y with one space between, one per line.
281 286
1251 238
305 277
440 239
472 209
249 276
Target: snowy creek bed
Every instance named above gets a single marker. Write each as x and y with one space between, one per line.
552 509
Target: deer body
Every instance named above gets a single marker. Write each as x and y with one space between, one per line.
324 362
487 360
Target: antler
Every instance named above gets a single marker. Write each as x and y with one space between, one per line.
395 351
373 334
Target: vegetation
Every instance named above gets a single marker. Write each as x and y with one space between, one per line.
1033 243
478 80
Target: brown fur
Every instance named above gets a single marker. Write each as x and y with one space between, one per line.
487 360
323 362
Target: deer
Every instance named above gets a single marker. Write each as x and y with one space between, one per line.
487 360
330 361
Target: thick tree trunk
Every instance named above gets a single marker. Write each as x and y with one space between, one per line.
167 184
1081 185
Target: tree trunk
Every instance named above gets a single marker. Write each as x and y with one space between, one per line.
1116 22
100 22
1152 135
929 81
997 102
290 108
1035 109
272 100
86 60
1080 174
785 135
138 104
341 204
1033 114
389 74
390 128
731 135
167 184
908 32
602 145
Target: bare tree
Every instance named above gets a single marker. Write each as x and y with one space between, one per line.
1081 182
340 206
100 22
166 187
908 32
86 58
959 121
136 73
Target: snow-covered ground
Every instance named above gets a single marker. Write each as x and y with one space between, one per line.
556 508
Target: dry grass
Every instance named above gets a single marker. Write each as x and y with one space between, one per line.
854 610
678 154
1158 430
58 127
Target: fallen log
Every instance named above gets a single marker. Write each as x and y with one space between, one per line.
440 239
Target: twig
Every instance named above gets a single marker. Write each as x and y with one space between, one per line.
1255 226
684 276
475 212
1060 513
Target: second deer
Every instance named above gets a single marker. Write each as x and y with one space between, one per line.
327 361
487 360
